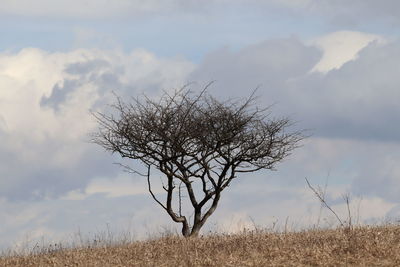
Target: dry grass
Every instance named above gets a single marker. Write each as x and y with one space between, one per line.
361 246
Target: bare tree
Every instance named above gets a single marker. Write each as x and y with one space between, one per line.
199 143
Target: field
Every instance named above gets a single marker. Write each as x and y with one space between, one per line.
359 246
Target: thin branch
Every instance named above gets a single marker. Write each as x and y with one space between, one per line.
151 192
128 169
323 201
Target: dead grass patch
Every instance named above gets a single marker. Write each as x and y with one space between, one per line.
360 246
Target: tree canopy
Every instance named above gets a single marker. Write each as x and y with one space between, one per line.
196 141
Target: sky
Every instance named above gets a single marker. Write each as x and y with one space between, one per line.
331 66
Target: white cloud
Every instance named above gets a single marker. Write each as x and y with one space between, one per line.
265 205
235 222
341 47
122 185
45 100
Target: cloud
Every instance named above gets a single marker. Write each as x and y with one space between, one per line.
359 10
356 100
122 185
96 8
341 47
342 12
59 94
379 175
45 100
351 107
269 64
338 12
26 224
293 208
75 8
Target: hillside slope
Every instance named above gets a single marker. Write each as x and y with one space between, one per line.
361 246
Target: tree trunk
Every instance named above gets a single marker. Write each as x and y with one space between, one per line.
195 231
185 229
196 222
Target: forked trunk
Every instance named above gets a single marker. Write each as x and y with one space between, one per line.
185 229
186 232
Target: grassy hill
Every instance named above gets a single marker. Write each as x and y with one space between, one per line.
360 246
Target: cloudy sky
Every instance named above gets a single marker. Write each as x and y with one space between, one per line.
332 66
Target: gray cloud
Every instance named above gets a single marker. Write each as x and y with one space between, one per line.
358 11
270 64
352 111
379 172
356 101
99 9
35 180
85 72
59 94
340 13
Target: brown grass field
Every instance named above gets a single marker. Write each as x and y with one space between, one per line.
360 246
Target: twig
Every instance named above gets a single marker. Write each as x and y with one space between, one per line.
129 169
321 198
